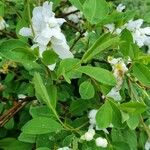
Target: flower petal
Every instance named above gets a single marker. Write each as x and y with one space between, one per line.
25 31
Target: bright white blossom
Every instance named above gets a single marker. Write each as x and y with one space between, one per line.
64 148
120 7
115 94
74 17
3 23
89 135
141 35
46 30
147 145
101 142
21 96
92 117
119 69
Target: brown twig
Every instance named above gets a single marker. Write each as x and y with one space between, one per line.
10 34
67 14
12 111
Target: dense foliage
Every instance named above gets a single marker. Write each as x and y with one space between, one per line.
74 75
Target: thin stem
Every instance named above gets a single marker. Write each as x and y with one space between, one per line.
29 16
57 117
146 128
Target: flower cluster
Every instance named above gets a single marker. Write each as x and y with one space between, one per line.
89 135
45 29
119 69
141 35
3 23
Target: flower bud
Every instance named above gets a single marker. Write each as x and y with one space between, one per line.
101 142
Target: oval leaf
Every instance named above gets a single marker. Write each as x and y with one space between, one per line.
86 90
99 74
95 10
41 125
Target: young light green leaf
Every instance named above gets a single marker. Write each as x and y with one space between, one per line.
99 74
86 90
95 10
41 125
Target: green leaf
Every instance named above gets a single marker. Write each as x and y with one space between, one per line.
45 140
27 138
133 107
40 111
18 51
76 3
52 92
41 125
7 46
125 135
76 107
104 42
2 8
95 10
142 73
49 57
55 2
10 124
42 92
104 115
121 146
67 68
116 115
13 144
99 74
133 121
127 46
86 90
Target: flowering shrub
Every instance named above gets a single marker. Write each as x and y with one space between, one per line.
74 75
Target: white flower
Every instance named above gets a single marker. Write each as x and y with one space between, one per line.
101 142
119 69
64 148
74 17
3 24
147 145
47 30
92 117
132 25
115 94
110 27
120 7
89 135
21 96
